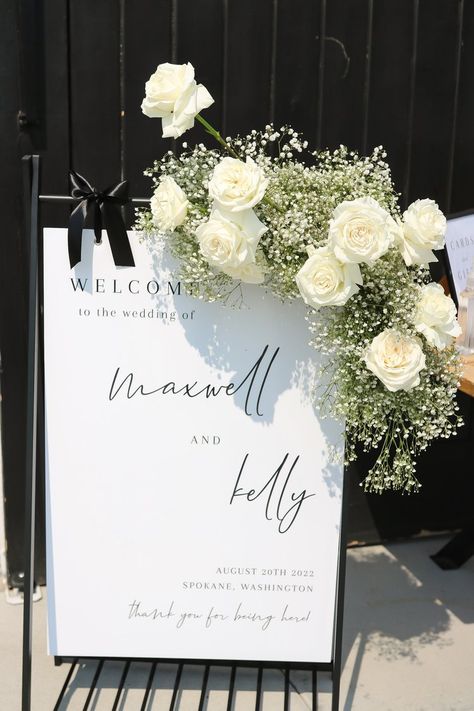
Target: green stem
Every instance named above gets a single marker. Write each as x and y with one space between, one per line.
215 133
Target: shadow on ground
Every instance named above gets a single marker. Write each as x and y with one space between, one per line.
398 602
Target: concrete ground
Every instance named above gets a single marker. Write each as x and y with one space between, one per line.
408 646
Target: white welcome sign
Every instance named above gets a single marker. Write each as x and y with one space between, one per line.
192 509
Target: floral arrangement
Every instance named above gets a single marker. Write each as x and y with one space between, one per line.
328 231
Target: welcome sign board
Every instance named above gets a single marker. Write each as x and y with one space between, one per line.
460 249
192 507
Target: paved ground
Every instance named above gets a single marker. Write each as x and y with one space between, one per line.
408 646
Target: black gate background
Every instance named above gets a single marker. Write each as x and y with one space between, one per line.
358 72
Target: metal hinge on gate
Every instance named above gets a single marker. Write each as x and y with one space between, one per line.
23 121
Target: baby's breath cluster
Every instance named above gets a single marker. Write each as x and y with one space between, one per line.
326 227
304 199
403 423
191 171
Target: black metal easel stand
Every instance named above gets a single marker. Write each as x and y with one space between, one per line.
33 198
31 188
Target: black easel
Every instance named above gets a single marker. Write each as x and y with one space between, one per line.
33 198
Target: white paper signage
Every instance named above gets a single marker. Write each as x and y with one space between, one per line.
460 248
192 510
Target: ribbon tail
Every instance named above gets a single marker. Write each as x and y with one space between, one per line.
74 232
97 222
118 238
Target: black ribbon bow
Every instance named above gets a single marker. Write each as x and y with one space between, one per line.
106 212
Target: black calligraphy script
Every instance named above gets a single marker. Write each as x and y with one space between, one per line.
131 389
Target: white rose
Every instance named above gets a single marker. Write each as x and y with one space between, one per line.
360 231
236 185
169 205
229 241
424 228
395 359
435 316
325 281
249 272
171 93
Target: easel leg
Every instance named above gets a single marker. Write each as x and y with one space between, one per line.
31 183
341 582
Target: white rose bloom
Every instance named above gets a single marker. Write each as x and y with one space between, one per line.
236 185
229 241
249 272
169 205
171 93
360 231
395 359
424 228
435 316
325 281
